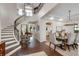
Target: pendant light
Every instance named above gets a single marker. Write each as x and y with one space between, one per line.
69 14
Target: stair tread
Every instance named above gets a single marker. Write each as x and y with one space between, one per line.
5 39
10 44
6 34
9 40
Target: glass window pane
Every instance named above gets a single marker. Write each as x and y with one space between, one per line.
20 12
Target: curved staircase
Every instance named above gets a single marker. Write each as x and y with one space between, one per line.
11 34
11 45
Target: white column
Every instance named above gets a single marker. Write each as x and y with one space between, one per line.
42 30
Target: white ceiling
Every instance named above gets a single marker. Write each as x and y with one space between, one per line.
33 5
61 11
8 12
21 5
46 8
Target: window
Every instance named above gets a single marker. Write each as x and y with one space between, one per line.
76 28
20 12
28 12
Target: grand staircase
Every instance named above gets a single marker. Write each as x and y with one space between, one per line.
11 45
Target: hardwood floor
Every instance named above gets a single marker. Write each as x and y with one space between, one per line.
49 51
36 46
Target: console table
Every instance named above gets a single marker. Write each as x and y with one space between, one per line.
2 48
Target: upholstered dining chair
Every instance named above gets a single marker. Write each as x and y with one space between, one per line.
71 39
57 34
53 40
63 33
76 40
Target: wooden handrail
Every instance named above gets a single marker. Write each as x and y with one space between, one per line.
15 28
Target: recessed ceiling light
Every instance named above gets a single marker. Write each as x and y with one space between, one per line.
60 19
51 18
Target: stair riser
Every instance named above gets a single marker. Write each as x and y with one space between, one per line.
9 40
6 31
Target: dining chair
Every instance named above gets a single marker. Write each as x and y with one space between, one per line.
63 33
76 40
57 34
53 40
71 39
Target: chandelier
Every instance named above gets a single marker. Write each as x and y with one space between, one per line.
70 23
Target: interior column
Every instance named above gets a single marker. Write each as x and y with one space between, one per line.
42 30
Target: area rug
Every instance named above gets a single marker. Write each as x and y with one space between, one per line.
63 52
41 53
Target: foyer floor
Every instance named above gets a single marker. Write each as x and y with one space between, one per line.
34 47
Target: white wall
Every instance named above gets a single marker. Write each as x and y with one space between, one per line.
0 29
55 24
42 24
8 13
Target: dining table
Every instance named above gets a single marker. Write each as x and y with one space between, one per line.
64 41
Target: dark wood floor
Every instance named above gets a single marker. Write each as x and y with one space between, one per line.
36 46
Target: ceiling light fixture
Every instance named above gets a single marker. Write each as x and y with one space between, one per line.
51 18
60 19
69 14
